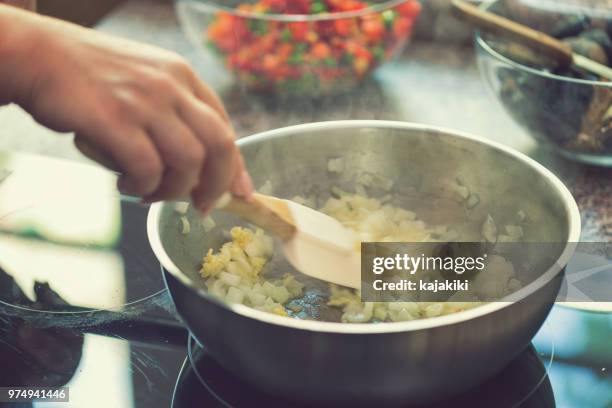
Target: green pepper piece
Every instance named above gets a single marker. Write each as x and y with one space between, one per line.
317 7
348 58
286 35
295 58
330 62
257 26
378 52
389 17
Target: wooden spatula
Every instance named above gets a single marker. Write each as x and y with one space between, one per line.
548 46
314 243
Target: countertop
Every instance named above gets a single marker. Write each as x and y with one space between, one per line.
429 83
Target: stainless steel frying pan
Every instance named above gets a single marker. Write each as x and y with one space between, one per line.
322 360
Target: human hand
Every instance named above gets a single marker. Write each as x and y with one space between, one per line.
135 108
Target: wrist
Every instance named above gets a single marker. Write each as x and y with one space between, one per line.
19 40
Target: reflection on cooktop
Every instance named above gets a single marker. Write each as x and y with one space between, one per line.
203 381
83 276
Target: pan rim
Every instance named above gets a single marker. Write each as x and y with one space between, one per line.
573 222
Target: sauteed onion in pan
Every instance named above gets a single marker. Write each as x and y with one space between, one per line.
237 273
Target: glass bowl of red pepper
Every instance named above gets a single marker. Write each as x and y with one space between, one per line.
300 47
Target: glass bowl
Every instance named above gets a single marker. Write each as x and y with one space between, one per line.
570 113
299 47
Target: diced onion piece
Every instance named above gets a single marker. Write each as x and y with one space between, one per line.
434 310
234 295
365 179
256 299
514 231
218 289
462 191
229 279
181 207
337 192
335 165
489 230
386 184
185 226
280 294
268 288
473 200
208 223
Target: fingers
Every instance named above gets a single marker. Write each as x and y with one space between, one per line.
130 151
94 154
242 185
205 94
184 145
183 154
222 156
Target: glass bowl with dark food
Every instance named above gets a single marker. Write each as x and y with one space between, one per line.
300 47
565 109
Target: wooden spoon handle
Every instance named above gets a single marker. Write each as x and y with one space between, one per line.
498 25
270 213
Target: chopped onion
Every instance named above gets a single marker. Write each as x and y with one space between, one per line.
234 273
462 191
335 165
473 200
208 223
185 226
229 279
489 230
514 231
181 207
234 295
256 299
386 184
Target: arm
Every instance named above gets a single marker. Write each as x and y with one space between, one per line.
134 107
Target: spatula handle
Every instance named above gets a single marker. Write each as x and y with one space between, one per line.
503 27
270 213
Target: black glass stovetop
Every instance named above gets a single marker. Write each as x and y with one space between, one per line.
111 335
